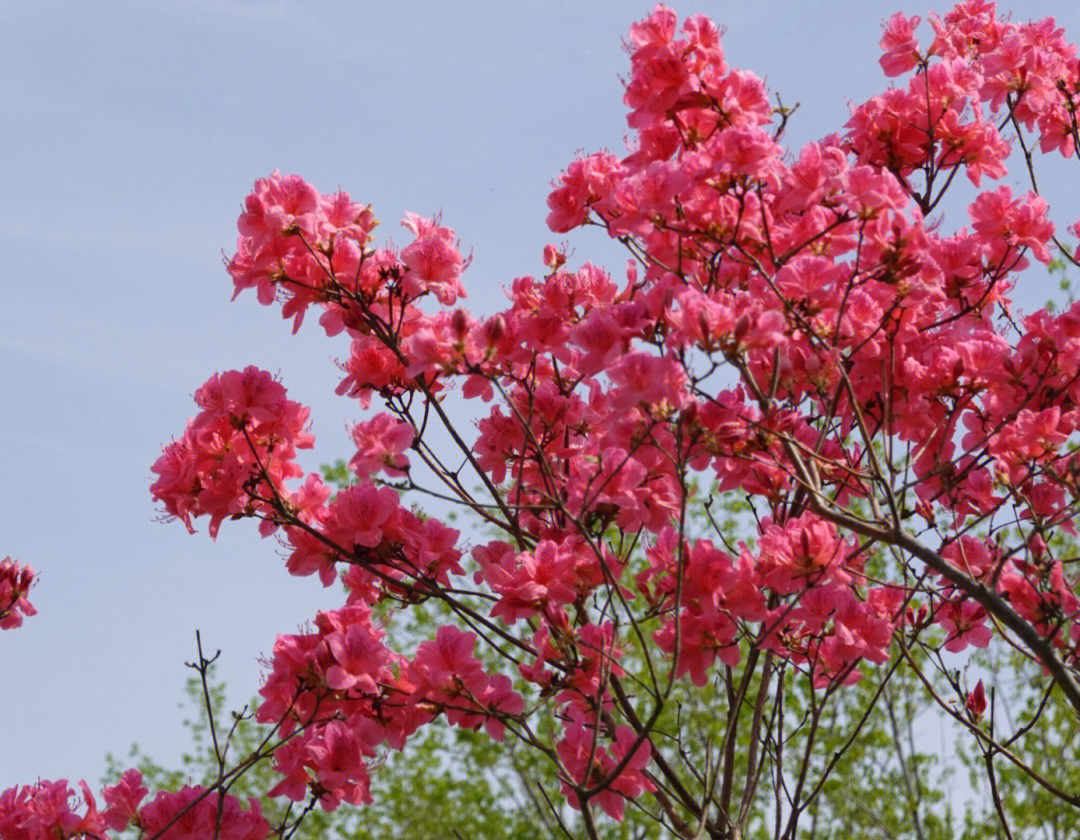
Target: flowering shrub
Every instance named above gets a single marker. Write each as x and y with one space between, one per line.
791 327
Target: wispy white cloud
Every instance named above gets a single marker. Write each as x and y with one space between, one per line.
56 445
267 10
127 236
73 355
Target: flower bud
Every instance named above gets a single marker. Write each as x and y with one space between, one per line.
976 702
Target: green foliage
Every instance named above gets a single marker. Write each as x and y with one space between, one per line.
1058 271
1048 747
449 780
870 772
337 474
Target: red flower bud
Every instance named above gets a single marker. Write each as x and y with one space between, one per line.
976 702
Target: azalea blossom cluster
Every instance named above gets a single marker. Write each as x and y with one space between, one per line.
370 696
792 329
15 583
241 444
53 811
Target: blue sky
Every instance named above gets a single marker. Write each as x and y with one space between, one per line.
132 132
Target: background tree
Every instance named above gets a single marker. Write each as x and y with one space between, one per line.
890 784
